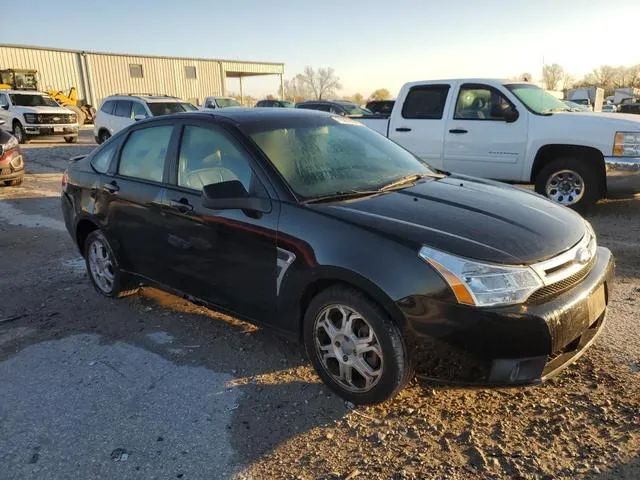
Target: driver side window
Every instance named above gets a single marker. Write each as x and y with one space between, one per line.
481 103
207 156
4 102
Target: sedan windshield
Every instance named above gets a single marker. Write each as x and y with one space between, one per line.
227 102
159 108
26 100
536 99
327 156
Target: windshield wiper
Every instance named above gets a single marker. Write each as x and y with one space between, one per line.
413 178
342 195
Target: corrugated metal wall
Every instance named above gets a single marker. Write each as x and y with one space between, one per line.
97 75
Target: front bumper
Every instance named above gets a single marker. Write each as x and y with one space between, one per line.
623 174
12 168
509 345
68 130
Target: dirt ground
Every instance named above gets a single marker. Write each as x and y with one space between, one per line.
155 387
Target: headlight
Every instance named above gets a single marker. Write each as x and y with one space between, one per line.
30 118
627 144
483 284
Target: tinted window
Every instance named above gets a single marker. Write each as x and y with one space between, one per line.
138 109
323 107
161 108
207 156
477 102
144 153
107 107
26 100
190 72
101 160
123 108
3 99
425 102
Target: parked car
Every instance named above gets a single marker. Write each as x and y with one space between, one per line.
120 111
608 108
216 102
275 103
576 107
328 232
11 160
633 108
29 114
381 107
516 132
338 107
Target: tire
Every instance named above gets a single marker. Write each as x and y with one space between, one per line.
103 136
15 183
387 357
570 170
108 280
19 133
71 139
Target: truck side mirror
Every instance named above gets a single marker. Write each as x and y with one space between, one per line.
511 115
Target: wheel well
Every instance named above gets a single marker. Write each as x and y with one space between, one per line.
84 228
16 122
548 153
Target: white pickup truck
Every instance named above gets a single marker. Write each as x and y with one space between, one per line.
516 132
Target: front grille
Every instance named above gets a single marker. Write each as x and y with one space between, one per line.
55 118
550 291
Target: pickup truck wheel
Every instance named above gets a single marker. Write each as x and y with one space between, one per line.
19 133
355 347
570 182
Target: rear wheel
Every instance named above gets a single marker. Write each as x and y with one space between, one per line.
355 347
19 133
105 274
71 139
571 182
103 136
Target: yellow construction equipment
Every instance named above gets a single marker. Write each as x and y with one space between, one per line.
25 79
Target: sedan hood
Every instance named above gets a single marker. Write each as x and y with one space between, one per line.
469 217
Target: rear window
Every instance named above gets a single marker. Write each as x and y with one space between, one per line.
107 107
166 108
425 102
101 160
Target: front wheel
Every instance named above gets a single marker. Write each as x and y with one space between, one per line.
105 274
19 133
570 182
71 139
355 347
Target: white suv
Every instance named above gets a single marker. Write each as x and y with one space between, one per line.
29 113
119 111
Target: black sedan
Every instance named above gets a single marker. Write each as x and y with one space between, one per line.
318 227
11 160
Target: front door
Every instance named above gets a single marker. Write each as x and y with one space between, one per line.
478 139
227 257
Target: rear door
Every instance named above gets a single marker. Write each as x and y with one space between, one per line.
419 125
227 257
479 141
122 115
134 192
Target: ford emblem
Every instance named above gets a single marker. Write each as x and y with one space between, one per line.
583 256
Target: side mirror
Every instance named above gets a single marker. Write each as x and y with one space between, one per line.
2 122
232 195
5 107
511 115
137 118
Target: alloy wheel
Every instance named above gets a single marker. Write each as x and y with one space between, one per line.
101 266
348 348
18 132
565 187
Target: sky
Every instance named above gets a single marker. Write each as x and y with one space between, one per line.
370 44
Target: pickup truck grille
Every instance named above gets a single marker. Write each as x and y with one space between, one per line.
55 118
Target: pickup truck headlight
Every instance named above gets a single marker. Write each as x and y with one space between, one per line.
30 118
627 144
482 284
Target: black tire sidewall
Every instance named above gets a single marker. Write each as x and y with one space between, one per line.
23 138
97 235
587 170
103 136
394 351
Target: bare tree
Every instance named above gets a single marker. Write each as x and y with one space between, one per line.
551 76
322 82
356 98
567 81
603 76
380 94
296 89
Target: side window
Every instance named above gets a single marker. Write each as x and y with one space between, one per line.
4 102
335 110
123 108
144 153
425 102
477 102
108 107
138 109
101 160
210 103
323 107
208 155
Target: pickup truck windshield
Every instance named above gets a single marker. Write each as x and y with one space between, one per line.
227 102
26 100
537 99
328 155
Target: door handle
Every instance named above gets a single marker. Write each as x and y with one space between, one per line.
403 129
182 205
111 187
458 130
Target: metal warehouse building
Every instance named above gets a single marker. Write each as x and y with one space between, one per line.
99 74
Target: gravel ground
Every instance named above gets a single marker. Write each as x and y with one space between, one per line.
155 387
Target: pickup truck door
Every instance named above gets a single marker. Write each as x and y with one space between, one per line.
4 112
419 125
482 139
